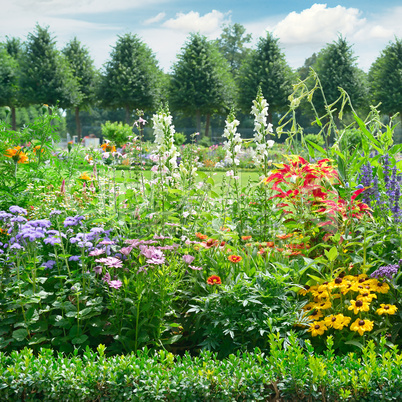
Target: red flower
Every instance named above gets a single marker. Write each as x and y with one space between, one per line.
234 258
245 238
214 280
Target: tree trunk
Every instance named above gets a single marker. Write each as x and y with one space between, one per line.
198 116
78 123
128 114
207 125
13 119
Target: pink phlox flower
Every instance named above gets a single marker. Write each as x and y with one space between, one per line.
195 268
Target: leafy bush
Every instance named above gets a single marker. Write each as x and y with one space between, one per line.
241 315
287 373
116 132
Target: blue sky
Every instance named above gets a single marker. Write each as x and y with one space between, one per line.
303 27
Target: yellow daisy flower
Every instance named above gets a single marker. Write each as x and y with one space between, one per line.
316 315
325 304
359 305
366 297
382 287
337 321
361 326
317 328
386 309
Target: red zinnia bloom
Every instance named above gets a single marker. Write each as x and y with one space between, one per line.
214 280
234 258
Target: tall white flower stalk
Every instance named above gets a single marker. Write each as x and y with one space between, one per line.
166 151
261 131
233 143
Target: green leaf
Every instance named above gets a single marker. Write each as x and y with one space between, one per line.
79 339
20 334
331 254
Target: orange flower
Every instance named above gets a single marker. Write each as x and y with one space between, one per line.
38 148
201 236
16 154
245 238
214 280
282 237
108 148
234 258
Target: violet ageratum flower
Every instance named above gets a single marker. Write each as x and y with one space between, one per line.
49 264
387 271
15 209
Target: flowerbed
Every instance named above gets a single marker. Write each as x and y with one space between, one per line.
310 249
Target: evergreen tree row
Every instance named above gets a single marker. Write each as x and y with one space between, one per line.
208 78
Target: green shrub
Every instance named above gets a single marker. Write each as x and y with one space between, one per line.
116 132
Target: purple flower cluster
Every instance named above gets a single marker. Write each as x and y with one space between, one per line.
73 220
391 185
387 271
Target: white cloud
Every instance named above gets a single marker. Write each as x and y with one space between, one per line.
318 24
193 22
155 19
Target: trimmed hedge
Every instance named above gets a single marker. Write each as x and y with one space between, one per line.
286 374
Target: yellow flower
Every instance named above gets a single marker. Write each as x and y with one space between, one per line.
304 290
316 315
337 321
310 306
386 309
382 287
362 326
366 297
325 304
320 294
317 328
358 305
85 176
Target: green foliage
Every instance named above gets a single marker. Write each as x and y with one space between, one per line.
315 138
46 75
201 82
131 78
9 77
116 132
240 316
232 45
179 138
287 373
266 67
336 67
385 77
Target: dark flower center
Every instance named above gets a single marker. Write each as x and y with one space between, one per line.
338 280
380 284
386 307
307 287
333 319
359 303
365 294
361 280
361 322
316 326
